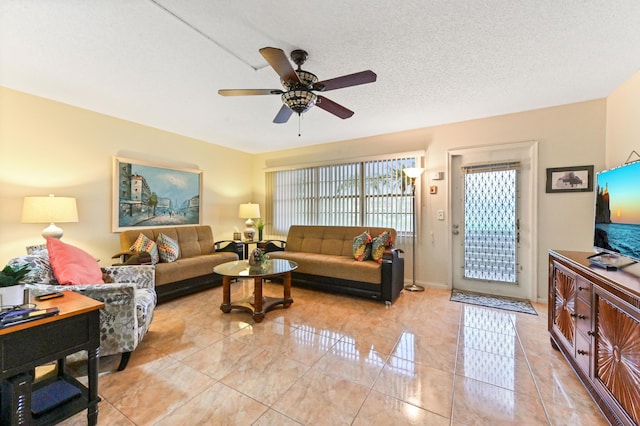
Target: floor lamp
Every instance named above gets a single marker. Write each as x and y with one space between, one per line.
413 173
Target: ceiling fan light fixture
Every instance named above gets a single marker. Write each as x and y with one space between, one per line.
299 86
299 100
307 80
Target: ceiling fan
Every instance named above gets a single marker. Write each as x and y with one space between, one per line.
299 86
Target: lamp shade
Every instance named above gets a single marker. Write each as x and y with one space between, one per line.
413 172
249 211
49 210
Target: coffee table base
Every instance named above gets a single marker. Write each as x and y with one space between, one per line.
258 305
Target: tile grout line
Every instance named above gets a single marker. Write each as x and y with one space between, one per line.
455 365
533 376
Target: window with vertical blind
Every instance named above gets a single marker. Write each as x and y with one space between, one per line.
359 193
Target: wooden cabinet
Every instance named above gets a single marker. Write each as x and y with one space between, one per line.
594 320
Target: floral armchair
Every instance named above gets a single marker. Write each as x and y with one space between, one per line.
129 301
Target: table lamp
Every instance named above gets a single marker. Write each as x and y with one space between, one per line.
49 209
249 211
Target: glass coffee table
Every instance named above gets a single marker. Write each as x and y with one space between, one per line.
259 304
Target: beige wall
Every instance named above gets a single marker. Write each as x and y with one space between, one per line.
623 123
570 135
49 147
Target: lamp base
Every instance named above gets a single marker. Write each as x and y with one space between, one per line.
249 234
52 231
414 287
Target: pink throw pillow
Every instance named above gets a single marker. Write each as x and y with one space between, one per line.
72 265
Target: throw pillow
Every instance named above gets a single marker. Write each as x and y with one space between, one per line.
168 248
378 245
39 266
361 246
144 243
72 265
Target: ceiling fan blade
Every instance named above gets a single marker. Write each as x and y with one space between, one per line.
332 107
248 92
279 62
355 79
283 115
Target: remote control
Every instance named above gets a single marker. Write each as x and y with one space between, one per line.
603 265
49 296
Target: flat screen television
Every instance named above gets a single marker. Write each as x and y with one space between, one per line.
616 238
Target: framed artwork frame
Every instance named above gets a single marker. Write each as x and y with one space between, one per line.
153 195
570 179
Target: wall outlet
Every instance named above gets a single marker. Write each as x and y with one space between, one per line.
440 214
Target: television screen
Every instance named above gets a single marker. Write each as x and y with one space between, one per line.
617 211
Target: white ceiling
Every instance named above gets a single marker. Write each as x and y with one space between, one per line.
161 62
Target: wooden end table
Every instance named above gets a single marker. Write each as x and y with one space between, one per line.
25 346
258 305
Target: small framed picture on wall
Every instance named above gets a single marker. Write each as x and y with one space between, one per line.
570 179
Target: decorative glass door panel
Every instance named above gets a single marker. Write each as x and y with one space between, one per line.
490 225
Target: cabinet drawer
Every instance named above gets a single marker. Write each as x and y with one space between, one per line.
583 316
583 351
29 345
583 289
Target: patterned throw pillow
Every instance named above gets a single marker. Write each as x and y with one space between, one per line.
361 246
39 268
378 244
143 243
168 248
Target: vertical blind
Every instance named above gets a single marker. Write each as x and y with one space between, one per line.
361 193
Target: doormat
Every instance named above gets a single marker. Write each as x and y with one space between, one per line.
490 301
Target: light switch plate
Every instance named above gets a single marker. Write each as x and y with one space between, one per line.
440 214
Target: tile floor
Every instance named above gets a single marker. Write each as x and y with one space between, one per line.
338 360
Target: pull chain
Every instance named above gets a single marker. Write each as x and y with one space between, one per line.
299 119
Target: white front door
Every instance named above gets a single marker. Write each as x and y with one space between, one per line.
463 277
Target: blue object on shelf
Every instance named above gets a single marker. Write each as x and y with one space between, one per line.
52 395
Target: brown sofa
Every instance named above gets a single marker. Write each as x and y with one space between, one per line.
324 255
193 271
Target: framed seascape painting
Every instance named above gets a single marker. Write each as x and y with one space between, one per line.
570 179
152 195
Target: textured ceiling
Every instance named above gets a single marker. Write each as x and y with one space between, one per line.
160 63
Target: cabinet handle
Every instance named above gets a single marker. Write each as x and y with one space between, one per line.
581 288
573 314
581 352
591 333
580 316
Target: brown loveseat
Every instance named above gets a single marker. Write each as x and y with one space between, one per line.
325 261
193 270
